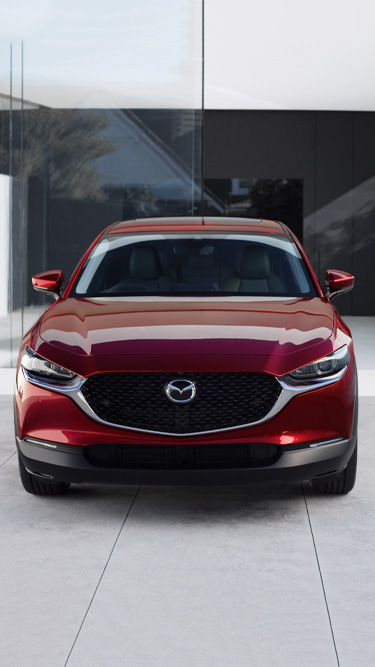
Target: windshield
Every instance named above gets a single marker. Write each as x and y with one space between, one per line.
214 264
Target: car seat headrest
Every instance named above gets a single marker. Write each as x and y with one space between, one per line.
144 263
254 263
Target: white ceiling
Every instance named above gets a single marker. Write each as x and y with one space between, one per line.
269 54
290 54
117 54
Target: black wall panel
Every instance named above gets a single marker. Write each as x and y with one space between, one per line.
334 196
334 154
363 239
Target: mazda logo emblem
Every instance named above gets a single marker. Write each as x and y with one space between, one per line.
181 391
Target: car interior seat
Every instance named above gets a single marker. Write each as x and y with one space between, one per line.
145 272
253 273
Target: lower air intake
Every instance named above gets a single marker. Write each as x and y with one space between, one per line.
182 457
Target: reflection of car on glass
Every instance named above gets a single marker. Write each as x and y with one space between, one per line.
188 350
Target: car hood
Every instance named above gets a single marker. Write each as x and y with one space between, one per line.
87 335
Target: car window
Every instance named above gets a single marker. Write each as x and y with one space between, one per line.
190 264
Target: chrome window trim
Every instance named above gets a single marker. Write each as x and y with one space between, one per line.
288 392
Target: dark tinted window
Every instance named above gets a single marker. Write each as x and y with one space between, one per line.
185 264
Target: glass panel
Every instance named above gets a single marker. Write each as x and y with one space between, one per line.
12 203
5 209
198 263
101 120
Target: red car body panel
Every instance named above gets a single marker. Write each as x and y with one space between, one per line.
110 334
176 334
194 224
323 413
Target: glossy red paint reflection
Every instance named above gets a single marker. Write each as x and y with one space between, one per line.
323 413
273 335
154 333
337 280
48 281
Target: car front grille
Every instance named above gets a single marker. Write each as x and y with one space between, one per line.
222 401
182 457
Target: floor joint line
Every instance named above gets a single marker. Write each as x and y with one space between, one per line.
6 460
101 577
321 576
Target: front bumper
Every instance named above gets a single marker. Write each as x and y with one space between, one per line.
68 463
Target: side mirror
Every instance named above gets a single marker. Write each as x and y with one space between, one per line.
49 282
338 282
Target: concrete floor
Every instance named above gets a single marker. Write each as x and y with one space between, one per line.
257 576
265 575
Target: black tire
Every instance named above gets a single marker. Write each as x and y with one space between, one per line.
341 483
38 486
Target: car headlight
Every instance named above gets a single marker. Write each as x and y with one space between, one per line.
41 370
321 369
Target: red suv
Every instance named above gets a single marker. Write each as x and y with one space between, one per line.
188 350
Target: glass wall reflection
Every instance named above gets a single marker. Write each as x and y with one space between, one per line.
101 120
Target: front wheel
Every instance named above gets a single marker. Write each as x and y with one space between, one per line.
38 486
341 483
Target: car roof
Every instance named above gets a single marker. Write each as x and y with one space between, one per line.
193 223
